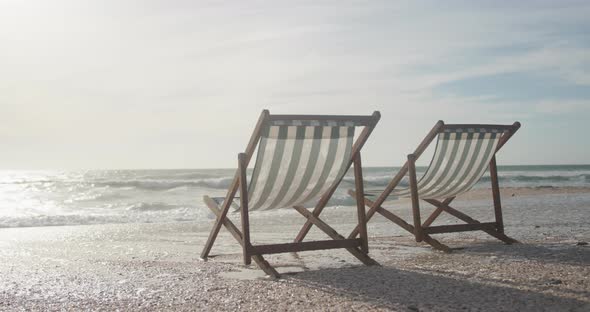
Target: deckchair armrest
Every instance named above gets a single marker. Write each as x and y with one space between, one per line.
511 127
359 120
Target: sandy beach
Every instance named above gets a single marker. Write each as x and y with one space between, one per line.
123 125
156 266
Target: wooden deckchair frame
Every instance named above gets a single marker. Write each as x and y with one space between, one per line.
358 247
423 231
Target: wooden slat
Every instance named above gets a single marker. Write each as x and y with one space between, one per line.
305 246
460 228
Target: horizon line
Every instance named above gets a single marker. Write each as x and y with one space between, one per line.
230 168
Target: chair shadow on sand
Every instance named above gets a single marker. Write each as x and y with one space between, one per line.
557 253
395 289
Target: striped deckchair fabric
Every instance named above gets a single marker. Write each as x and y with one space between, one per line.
299 161
462 155
461 158
300 158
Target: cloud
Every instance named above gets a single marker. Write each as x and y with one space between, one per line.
149 71
563 107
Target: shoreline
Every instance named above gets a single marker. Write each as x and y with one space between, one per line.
474 194
156 266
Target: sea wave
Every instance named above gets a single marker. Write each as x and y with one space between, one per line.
126 196
137 213
94 197
19 182
532 179
181 175
58 220
155 185
376 181
156 206
149 185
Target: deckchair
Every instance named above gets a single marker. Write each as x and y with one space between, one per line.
462 155
300 158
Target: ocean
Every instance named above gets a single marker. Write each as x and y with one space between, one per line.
48 198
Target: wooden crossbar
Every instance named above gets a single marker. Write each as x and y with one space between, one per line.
306 246
460 228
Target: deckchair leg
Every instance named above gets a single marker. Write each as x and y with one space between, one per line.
432 217
415 200
496 195
235 232
214 231
360 204
265 266
244 209
212 205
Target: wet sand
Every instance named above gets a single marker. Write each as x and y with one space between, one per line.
157 266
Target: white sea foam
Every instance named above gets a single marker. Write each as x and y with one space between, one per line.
41 198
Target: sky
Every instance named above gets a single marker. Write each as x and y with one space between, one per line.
117 84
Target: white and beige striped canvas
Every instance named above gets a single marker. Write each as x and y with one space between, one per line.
460 160
298 161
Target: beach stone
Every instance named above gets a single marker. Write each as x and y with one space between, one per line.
554 281
581 243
